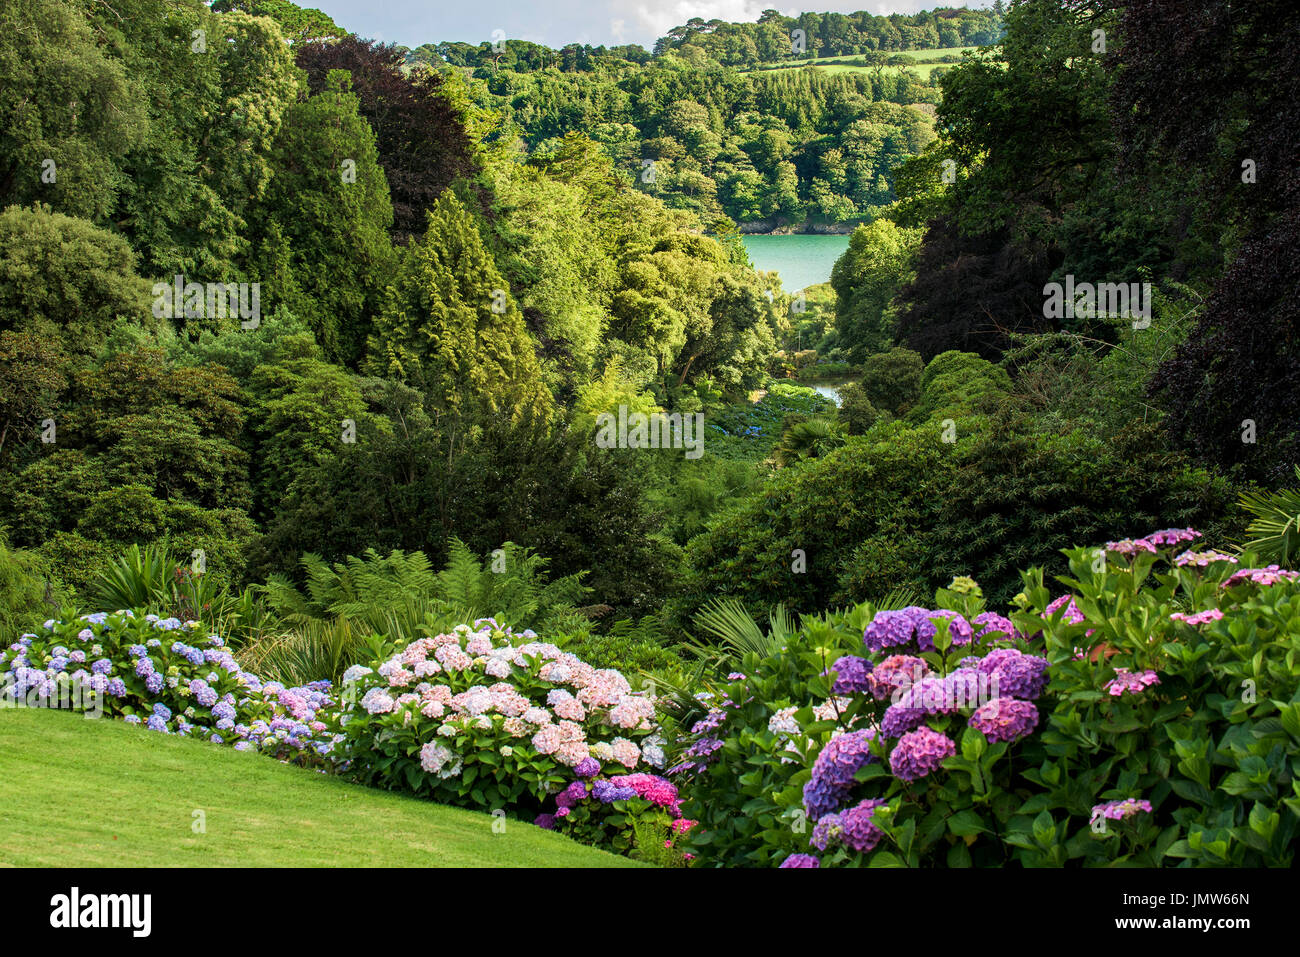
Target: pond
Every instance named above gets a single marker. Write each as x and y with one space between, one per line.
827 388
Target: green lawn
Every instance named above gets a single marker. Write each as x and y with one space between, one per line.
78 792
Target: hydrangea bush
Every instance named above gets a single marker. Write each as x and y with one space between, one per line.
166 675
1150 716
1175 736
484 717
898 726
617 810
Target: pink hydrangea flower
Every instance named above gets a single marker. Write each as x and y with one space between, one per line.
1200 618
1271 575
1127 682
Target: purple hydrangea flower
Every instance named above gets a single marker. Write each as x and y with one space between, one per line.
892 629
1018 675
851 675
575 792
833 771
990 622
587 768
607 793
825 831
710 722
801 860
857 832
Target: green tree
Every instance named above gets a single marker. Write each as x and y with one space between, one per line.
866 278
67 281
326 249
70 112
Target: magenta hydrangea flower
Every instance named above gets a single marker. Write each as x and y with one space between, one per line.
1005 719
850 675
1127 682
1130 547
653 788
1204 558
801 860
895 673
1173 536
1200 618
920 752
1072 615
1119 810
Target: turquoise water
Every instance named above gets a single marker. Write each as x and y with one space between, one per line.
801 260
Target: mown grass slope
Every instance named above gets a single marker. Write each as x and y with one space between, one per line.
88 793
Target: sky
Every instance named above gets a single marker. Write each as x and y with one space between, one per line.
559 22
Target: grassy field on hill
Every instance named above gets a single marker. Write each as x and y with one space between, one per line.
925 62
78 792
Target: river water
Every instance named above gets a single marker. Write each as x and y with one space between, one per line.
801 259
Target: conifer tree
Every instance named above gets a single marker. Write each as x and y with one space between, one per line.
451 328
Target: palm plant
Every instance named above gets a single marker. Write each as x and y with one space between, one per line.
140 578
319 650
1275 531
809 439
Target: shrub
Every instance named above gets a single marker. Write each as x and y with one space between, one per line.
620 811
26 587
1175 684
1147 717
954 383
483 717
832 746
892 380
168 675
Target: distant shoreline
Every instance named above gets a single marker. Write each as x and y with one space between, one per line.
766 228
